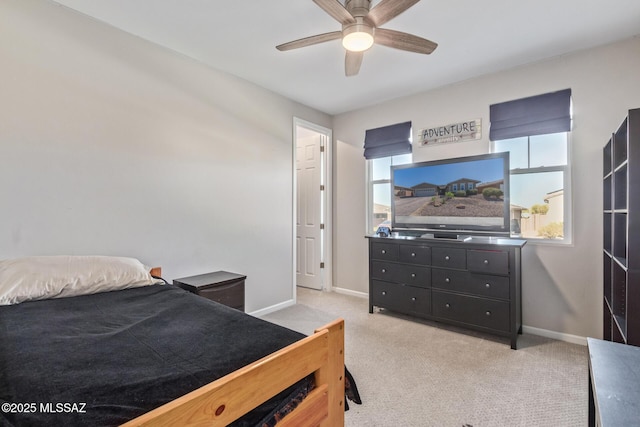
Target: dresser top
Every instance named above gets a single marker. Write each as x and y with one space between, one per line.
462 239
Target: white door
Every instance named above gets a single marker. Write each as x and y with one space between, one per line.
309 225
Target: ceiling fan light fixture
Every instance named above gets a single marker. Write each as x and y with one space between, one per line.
361 29
357 37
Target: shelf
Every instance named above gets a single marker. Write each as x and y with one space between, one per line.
621 233
619 324
620 237
621 165
620 188
621 262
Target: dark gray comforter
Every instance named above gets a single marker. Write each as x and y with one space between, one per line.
106 358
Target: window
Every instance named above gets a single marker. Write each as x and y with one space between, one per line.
540 186
379 180
535 131
384 147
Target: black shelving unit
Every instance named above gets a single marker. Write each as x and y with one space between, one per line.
621 233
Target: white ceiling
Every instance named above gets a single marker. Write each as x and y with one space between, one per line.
474 37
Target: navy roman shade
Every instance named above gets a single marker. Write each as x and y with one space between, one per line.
387 141
536 115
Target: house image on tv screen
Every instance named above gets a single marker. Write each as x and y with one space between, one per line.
426 189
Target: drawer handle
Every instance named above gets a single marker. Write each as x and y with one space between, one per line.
486 261
413 298
384 270
487 285
413 275
447 305
383 251
413 254
488 313
447 279
446 258
384 292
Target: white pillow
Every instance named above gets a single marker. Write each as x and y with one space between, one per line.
44 277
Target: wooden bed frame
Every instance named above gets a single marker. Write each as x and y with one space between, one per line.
228 398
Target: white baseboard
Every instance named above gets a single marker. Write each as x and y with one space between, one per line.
350 292
273 308
560 336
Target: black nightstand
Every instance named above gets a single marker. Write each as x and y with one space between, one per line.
220 286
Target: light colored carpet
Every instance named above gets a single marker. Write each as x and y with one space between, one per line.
421 373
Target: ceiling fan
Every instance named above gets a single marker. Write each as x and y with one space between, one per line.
361 29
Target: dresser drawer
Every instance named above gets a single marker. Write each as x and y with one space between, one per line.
404 298
449 257
401 273
491 262
489 286
384 251
415 254
469 283
488 313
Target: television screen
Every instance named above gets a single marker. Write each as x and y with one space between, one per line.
466 194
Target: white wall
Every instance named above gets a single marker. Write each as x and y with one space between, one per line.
562 286
112 145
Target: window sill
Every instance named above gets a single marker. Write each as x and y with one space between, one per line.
546 242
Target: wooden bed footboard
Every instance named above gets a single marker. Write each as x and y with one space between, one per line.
228 398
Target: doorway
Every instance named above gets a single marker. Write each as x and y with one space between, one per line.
312 195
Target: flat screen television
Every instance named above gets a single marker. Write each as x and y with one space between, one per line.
465 195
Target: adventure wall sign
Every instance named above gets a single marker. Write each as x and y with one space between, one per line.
456 132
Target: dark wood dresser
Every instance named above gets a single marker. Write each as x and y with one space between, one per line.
473 282
220 286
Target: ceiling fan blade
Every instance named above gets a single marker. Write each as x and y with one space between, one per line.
404 41
308 41
388 9
336 10
352 62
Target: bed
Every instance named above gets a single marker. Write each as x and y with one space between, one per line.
154 354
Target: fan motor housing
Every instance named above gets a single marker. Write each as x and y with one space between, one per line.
358 8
